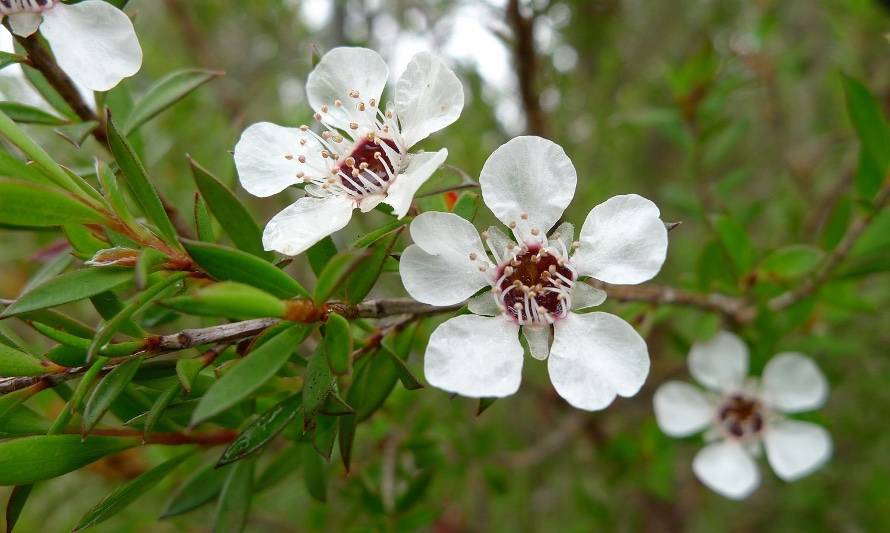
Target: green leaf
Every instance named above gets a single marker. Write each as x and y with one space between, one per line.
324 435
118 500
484 404
262 430
148 260
467 205
346 439
203 224
235 499
338 344
166 92
69 287
229 299
164 399
137 305
107 391
227 264
365 276
407 377
320 254
198 490
137 181
16 504
871 128
371 237
376 376
17 363
11 131
234 218
735 242
251 373
25 114
187 370
27 204
314 473
7 58
30 459
13 168
791 261
317 384
336 272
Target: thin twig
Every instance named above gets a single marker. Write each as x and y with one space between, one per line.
527 66
735 309
834 259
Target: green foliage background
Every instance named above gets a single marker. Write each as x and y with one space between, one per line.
730 108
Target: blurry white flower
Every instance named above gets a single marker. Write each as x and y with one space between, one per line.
93 41
742 414
361 157
535 284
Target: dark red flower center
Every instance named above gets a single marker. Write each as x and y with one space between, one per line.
741 416
365 170
535 284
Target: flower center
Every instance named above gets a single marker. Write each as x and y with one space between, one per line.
741 416
535 286
368 168
12 7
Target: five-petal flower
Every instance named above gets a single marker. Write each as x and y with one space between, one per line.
361 158
93 41
535 282
743 414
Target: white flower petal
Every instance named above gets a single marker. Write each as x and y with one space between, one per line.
727 469
681 409
796 449
428 97
538 338
562 237
24 24
531 176
484 304
267 158
305 222
594 357
623 240
475 356
793 383
420 167
584 296
339 72
720 363
437 269
93 41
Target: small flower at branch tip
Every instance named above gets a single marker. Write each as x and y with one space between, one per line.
94 43
742 416
361 156
535 283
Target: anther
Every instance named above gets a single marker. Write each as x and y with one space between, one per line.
512 224
353 125
523 216
338 103
353 93
302 159
535 232
288 156
324 108
473 256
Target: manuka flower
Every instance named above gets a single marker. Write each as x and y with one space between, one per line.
93 41
536 282
361 157
742 414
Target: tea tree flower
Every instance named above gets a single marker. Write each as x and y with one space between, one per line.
536 282
93 41
742 415
361 157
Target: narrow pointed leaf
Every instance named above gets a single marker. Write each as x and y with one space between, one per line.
31 205
228 264
317 384
203 224
250 374
314 473
262 430
407 377
235 499
346 439
107 391
17 363
338 344
166 92
234 218
320 254
229 299
26 114
136 179
30 459
16 504
125 495
363 279
69 287
198 490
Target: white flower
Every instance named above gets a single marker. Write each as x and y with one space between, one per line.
93 41
741 414
535 284
361 158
